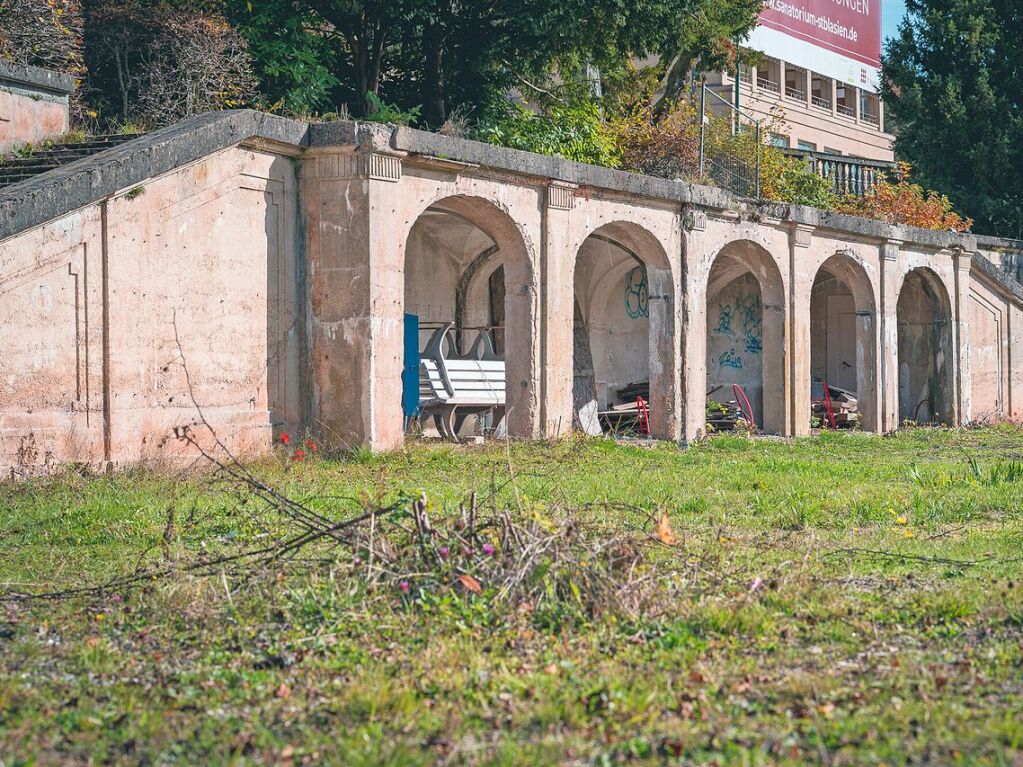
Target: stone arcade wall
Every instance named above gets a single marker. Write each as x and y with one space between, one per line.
281 256
33 104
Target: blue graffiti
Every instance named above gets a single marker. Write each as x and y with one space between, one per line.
725 322
730 359
746 313
637 294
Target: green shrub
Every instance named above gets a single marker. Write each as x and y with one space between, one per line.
573 130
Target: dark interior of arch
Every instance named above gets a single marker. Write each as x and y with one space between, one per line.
925 349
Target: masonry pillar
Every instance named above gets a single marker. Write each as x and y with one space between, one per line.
692 325
558 301
961 334
800 286
888 376
355 277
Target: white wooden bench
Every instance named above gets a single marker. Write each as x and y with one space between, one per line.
451 388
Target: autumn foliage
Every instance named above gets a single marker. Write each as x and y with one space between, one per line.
901 201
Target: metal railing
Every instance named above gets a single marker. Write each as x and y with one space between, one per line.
868 117
768 85
728 169
849 175
795 93
821 103
842 109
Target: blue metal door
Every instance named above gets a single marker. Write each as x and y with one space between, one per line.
410 372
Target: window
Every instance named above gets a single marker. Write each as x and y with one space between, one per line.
780 140
845 97
795 83
769 75
870 108
829 150
820 91
807 146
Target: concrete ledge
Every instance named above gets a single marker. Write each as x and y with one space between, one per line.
558 168
998 243
36 78
78 184
75 185
1004 281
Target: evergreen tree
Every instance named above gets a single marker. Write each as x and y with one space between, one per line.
953 91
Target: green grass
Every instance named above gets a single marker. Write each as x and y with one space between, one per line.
846 599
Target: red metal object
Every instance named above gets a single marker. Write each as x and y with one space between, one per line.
744 406
829 407
644 415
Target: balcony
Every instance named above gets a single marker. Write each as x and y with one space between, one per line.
842 109
821 103
795 93
873 119
848 175
768 85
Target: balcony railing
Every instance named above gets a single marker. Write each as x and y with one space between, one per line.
768 85
795 93
746 74
842 109
848 175
868 117
821 103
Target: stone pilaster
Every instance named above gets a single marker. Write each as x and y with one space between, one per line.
800 287
557 316
888 377
356 287
962 357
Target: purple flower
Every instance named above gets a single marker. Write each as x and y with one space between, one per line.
443 551
404 586
488 549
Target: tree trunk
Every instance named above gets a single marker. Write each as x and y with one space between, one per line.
675 80
434 109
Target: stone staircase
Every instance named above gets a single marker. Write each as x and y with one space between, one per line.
18 167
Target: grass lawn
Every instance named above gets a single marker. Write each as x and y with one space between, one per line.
843 599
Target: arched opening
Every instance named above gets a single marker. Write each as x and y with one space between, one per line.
622 339
924 318
746 337
461 256
843 346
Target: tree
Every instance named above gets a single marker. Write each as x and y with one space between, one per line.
442 54
953 91
155 61
294 60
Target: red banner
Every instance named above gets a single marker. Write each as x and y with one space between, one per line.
851 28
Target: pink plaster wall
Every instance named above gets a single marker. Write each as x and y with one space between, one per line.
28 118
92 305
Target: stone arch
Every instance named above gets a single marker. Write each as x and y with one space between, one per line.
745 285
517 257
844 332
635 247
925 356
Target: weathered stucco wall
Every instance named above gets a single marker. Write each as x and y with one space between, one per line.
282 257
95 303
33 105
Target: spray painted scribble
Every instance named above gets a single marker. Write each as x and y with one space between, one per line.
741 319
730 359
637 294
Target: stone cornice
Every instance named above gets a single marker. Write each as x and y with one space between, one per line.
35 78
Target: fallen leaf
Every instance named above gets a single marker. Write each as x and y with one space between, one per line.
283 691
663 531
470 584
